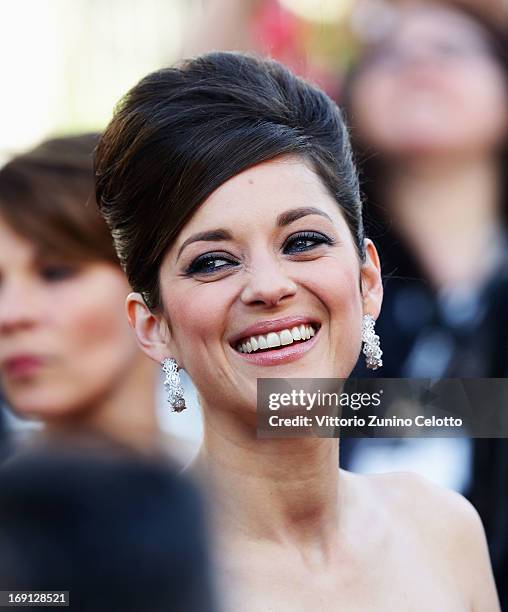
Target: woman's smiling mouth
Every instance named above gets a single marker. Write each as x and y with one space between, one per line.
282 341
300 333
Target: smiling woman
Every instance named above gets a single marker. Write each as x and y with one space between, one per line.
230 190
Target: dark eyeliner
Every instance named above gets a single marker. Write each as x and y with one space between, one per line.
197 265
317 237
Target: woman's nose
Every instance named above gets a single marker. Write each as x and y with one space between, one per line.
268 285
18 310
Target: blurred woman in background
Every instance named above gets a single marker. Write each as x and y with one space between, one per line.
67 355
428 109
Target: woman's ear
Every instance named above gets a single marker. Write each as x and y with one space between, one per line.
371 282
151 329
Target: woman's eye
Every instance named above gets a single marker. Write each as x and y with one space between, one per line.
209 263
57 272
305 241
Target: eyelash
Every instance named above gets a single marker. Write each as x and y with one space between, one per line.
317 237
197 266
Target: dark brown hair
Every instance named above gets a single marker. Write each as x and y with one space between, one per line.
182 132
47 197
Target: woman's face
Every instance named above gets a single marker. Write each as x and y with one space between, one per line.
64 343
268 251
432 86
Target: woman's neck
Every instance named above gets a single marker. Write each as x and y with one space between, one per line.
125 413
283 491
448 211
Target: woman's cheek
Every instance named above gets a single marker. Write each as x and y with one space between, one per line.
336 280
197 318
97 343
91 356
93 310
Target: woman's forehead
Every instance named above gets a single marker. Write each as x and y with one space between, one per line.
262 193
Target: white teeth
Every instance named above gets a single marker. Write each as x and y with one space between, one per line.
295 332
285 337
273 340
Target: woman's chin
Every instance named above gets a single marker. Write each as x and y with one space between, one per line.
40 407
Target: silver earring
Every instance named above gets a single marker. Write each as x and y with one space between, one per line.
371 348
173 385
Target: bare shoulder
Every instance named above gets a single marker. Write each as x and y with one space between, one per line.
441 515
416 498
446 526
421 500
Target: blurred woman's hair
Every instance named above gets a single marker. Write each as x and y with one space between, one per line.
47 196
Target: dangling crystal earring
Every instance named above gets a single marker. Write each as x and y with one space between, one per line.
173 385
371 348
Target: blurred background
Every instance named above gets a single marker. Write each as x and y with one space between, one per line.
66 64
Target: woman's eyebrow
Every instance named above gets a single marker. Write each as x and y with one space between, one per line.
209 235
283 219
289 216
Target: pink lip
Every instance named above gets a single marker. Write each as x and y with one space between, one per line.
22 366
264 327
280 355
